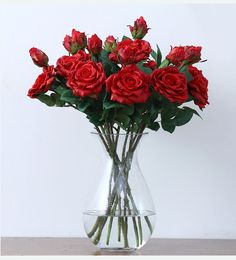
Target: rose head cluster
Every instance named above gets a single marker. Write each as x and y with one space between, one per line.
124 71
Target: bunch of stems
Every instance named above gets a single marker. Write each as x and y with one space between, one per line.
120 199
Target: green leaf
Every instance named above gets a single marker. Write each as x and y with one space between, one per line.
109 66
126 109
125 38
193 110
146 70
186 72
109 104
48 100
57 100
94 118
168 112
168 125
84 104
164 63
159 56
68 97
122 120
183 117
60 89
154 55
154 126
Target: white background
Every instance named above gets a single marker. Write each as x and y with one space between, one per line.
49 159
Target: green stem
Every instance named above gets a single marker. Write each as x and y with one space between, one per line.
136 231
109 230
148 223
140 230
119 222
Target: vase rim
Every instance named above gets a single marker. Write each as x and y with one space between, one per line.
123 133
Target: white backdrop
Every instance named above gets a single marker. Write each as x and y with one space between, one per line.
49 159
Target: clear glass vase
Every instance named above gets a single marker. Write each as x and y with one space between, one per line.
120 215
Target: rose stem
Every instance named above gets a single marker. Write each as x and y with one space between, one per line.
149 223
109 230
102 224
135 226
140 230
124 231
95 227
119 223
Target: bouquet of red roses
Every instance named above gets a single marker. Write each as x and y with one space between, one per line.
122 85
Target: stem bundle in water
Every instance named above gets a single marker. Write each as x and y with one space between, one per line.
121 210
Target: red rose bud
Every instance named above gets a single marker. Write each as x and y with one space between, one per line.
77 41
94 45
176 55
110 43
193 53
39 57
151 64
139 30
190 54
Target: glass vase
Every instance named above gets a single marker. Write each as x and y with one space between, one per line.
120 215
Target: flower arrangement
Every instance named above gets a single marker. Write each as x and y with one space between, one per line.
122 85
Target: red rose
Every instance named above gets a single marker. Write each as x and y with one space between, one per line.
170 83
139 30
128 86
191 54
65 64
129 51
94 45
198 87
176 55
86 79
110 43
43 82
39 57
77 41
151 64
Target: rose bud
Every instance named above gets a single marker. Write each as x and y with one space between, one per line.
77 41
139 30
151 64
39 57
94 45
110 44
189 54
176 55
193 53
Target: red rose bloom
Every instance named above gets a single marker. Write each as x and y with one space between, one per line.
65 64
39 57
43 82
77 41
94 45
86 79
170 83
191 54
198 87
139 30
129 51
128 86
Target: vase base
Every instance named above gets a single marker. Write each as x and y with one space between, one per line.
118 249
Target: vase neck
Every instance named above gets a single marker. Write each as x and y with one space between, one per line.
120 147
